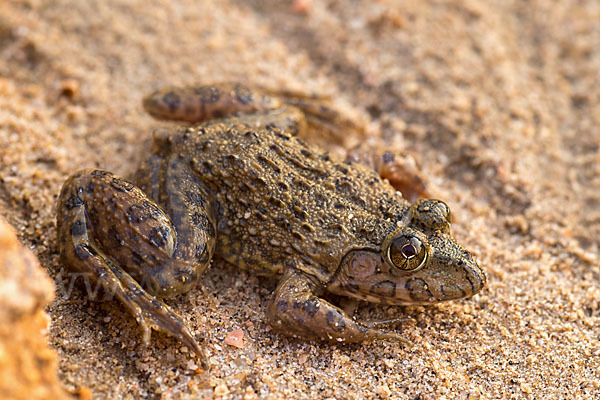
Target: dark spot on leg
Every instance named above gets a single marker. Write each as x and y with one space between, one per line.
117 271
208 94
133 236
243 94
153 211
135 214
78 228
73 201
82 252
299 321
171 100
388 157
115 237
158 236
311 306
136 258
330 317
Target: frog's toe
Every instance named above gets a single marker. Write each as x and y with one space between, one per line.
385 322
152 313
374 334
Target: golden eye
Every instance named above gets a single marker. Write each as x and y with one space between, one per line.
407 252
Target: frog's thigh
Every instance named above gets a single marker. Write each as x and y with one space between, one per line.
171 183
297 310
109 229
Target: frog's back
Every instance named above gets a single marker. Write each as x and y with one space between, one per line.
282 203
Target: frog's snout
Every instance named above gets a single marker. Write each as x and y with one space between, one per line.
469 278
477 276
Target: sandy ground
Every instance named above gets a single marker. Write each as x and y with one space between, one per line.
27 364
498 102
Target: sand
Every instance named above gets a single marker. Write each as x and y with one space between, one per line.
497 102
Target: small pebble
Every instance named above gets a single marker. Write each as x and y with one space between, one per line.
235 338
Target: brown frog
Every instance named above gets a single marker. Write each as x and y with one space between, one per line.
243 186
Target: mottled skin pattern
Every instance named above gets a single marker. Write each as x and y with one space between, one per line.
244 186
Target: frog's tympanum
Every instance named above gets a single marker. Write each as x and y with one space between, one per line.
242 185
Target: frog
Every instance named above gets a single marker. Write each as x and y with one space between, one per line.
239 182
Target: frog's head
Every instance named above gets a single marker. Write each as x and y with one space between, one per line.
418 263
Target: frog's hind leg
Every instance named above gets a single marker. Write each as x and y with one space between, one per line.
297 310
205 102
197 104
289 110
110 230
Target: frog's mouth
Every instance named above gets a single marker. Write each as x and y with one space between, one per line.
365 275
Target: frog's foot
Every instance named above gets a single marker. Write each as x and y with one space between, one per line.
297 310
324 119
111 230
399 169
152 313
149 312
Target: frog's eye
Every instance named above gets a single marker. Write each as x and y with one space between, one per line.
407 252
443 209
430 215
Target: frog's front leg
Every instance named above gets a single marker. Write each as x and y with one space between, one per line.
297 310
109 229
